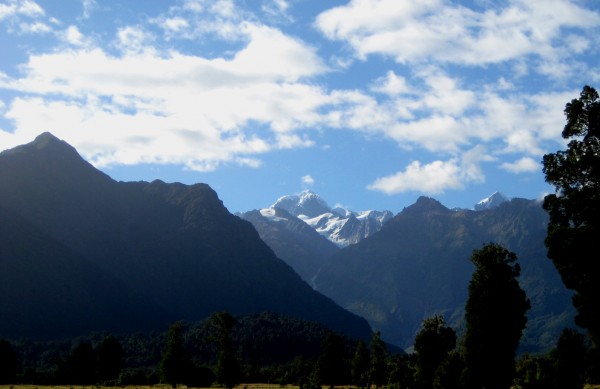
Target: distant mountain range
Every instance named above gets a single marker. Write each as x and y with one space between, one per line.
416 264
341 226
290 227
80 252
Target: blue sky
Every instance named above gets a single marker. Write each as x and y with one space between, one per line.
369 103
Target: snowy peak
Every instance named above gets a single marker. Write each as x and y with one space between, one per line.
307 203
492 201
340 226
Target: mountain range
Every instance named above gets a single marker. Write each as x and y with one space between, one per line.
80 252
416 264
341 226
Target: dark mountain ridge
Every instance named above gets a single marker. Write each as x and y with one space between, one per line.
418 265
121 254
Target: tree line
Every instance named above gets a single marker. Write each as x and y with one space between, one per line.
483 357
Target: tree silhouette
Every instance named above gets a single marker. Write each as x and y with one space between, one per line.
110 359
495 318
228 368
8 363
360 365
378 365
432 345
569 359
574 210
81 364
332 366
175 364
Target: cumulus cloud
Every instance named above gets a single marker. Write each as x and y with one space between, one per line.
414 31
146 106
435 177
522 165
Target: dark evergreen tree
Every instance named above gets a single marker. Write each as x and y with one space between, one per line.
110 359
378 363
228 371
401 372
495 316
569 359
448 375
432 344
360 365
332 366
8 363
175 364
535 372
574 210
81 364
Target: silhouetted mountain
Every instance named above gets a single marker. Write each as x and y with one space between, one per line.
105 255
418 265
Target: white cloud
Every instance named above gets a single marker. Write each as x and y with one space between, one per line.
308 180
435 177
20 8
175 24
289 59
277 10
89 6
145 106
74 37
25 17
391 84
523 165
432 178
34 28
134 39
224 8
414 31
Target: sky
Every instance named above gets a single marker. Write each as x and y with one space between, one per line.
369 103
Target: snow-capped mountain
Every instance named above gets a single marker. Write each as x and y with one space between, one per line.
307 203
492 201
341 226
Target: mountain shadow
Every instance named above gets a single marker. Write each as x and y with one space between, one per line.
87 253
294 241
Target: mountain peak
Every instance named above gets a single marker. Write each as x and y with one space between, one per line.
339 225
305 203
492 201
45 141
429 204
